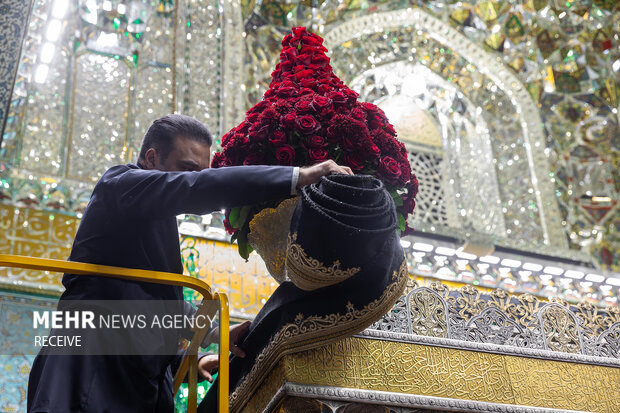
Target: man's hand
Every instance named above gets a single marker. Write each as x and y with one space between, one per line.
206 365
312 174
237 333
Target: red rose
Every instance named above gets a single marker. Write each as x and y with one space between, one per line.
268 116
369 107
412 187
288 120
303 106
285 155
227 225
255 158
219 160
258 132
294 42
252 117
390 129
286 39
324 88
238 140
348 131
374 151
388 144
357 139
260 106
307 124
243 128
275 75
303 59
311 50
286 91
354 160
278 138
282 106
408 205
309 83
312 39
288 53
320 60
358 114
304 74
337 97
286 66
316 142
373 121
389 170
405 171
227 137
321 105
317 155
298 31
350 94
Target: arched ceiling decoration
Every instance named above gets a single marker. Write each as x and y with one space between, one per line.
461 182
528 202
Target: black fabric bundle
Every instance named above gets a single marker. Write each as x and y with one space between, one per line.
343 222
345 254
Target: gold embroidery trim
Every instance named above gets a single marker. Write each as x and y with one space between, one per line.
268 236
309 273
313 331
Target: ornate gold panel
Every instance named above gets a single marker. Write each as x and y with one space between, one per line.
35 233
398 367
403 368
561 385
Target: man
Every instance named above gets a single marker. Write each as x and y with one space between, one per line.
130 222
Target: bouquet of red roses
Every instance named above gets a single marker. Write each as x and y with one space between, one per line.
307 116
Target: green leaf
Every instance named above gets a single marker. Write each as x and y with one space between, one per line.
402 224
242 245
398 201
243 216
233 217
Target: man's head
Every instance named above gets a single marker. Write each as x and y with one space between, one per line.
176 143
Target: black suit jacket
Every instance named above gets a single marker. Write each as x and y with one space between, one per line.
130 222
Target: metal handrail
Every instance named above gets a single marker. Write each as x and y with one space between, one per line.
190 361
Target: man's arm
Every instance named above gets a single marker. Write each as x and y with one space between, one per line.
153 194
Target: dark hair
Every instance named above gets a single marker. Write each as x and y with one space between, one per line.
163 132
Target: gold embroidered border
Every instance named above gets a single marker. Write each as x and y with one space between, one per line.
267 390
309 273
268 231
309 332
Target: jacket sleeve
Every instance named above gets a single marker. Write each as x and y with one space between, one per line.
154 194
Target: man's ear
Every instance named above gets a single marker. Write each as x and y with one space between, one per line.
150 158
